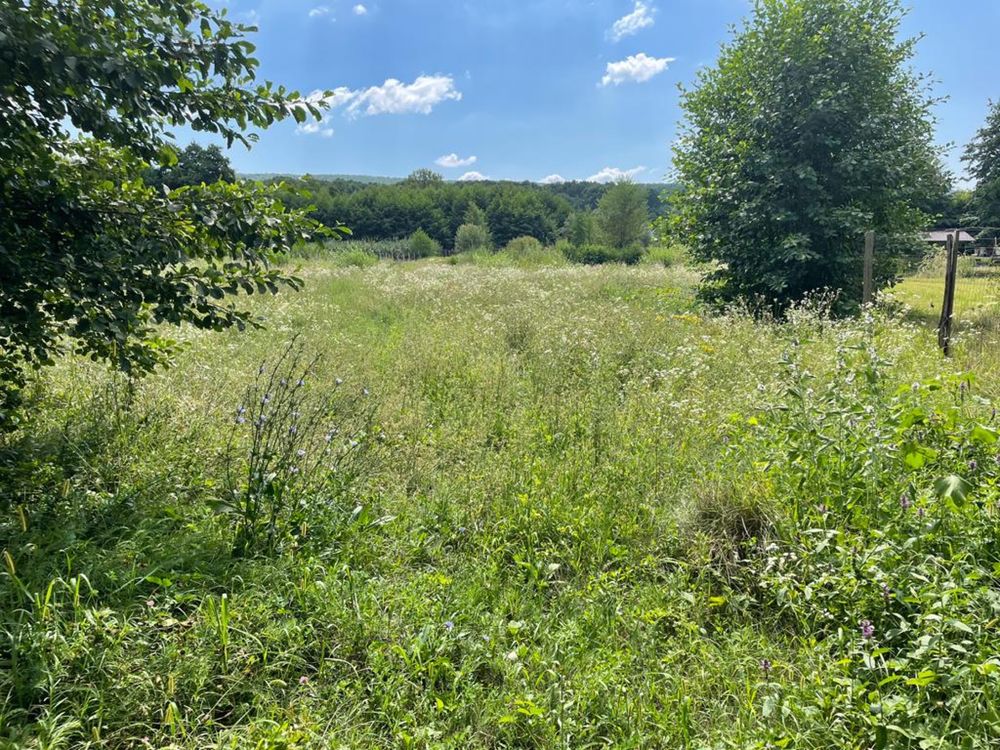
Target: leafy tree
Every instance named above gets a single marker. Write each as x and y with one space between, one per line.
424 178
471 237
982 156
92 258
622 216
475 216
581 229
422 245
809 130
196 165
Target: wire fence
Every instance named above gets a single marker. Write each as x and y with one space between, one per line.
975 308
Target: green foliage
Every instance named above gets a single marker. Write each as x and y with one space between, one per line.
196 165
92 259
810 130
522 246
353 256
622 217
292 453
422 245
597 516
982 156
475 216
423 178
581 228
665 255
597 254
470 237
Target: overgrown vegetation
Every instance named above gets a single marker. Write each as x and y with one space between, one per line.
588 514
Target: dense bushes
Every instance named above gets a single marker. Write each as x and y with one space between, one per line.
597 254
422 245
471 237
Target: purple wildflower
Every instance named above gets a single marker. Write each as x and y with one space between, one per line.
904 501
973 465
867 630
449 625
303 680
765 665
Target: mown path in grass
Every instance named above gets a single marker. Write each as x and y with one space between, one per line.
545 548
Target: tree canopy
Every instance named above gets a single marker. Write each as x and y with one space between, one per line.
622 216
196 165
92 258
982 156
808 131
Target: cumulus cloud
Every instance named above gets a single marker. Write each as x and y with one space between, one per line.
473 177
640 17
450 161
614 174
393 97
319 10
360 10
552 179
634 69
321 128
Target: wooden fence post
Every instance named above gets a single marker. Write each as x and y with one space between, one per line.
948 306
867 292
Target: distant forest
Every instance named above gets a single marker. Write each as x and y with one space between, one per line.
382 208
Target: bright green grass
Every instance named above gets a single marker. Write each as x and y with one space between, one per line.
538 576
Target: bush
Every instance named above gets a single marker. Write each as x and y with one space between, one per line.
522 246
422 245
665 255
471 237
357 257
593 255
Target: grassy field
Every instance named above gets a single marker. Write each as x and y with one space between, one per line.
580 512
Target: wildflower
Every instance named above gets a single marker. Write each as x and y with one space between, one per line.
150 603
293 470
293 430
241 420
365 392
328 437
904 501
449 625
303 680
867 630
300 453
241 410
921 512
339 381
301 382
973 465
284 381
261 370
765 665
823 510
266 398
886 592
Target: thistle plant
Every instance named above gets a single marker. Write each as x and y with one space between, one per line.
291 445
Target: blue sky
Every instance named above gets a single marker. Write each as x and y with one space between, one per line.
529 89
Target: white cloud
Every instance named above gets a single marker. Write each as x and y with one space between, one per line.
552 179
472 177
394 97
640 17
321 128
451 161
614 174
319 10
635 68
360 10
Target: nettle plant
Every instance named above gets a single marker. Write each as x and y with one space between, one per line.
293 452
887 558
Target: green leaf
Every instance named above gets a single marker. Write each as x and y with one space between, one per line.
953 488
984 435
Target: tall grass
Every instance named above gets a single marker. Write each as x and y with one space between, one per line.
597 516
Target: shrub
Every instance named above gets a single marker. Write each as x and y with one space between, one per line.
597 254
665 255
357 257
522 246
422 245
471 237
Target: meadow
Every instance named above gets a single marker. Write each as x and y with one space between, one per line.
570 509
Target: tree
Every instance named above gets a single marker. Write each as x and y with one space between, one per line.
196 165
91 257
982 156
424 178
580 228
471 237
475 216
810 130
422 245
622 216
